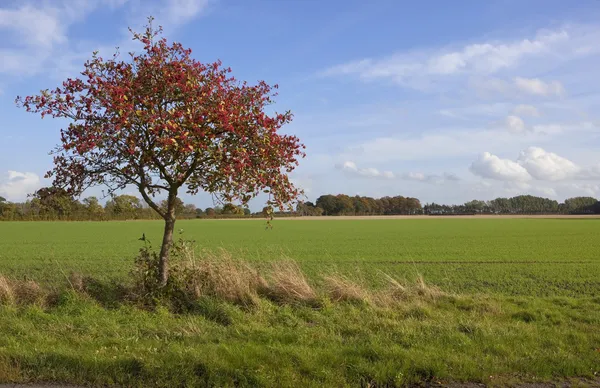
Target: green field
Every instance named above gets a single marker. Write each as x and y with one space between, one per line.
519 302
540 257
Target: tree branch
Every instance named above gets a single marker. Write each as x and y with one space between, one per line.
150 202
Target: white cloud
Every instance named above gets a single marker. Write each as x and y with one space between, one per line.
526 110
182 11
517 87
493 167
543 165
41 32
480 58
351 168
16 185
370 172
36 26
538 87
522 188
514 124
533 163
579 189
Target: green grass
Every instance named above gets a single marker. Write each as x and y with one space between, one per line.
522 304
542 257
449 339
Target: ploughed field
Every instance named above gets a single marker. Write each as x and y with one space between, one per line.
533 257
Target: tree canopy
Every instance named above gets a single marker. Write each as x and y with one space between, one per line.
163 121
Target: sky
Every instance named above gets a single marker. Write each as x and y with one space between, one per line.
443 101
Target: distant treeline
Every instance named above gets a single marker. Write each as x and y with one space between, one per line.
56 204
339 205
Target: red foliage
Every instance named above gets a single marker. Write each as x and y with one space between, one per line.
164 120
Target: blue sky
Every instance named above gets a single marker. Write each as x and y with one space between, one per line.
444 101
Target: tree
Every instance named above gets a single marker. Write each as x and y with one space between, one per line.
124 206
580 204
164 122
54 202
230 208
93 207
178 206
190 210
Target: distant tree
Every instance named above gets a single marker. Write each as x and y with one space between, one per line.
247 211
164 122
580 205
178 206
124 206
329 204
210 211
475 206
189 210
93 207
54 202
230 208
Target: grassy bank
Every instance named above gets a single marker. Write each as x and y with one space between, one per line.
476 339
223 322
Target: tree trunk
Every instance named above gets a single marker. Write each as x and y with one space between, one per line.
167 242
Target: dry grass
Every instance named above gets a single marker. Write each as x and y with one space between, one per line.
76 281
29 293
341 289
396 291
221 276
7 295
218 274
288 284
427 291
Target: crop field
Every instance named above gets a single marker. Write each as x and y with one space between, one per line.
537 257
506 302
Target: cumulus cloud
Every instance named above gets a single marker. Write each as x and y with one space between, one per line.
548 166
533 163
536 86
15 186
493 167
526 110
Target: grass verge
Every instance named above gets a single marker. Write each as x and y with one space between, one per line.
449 338
222 322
